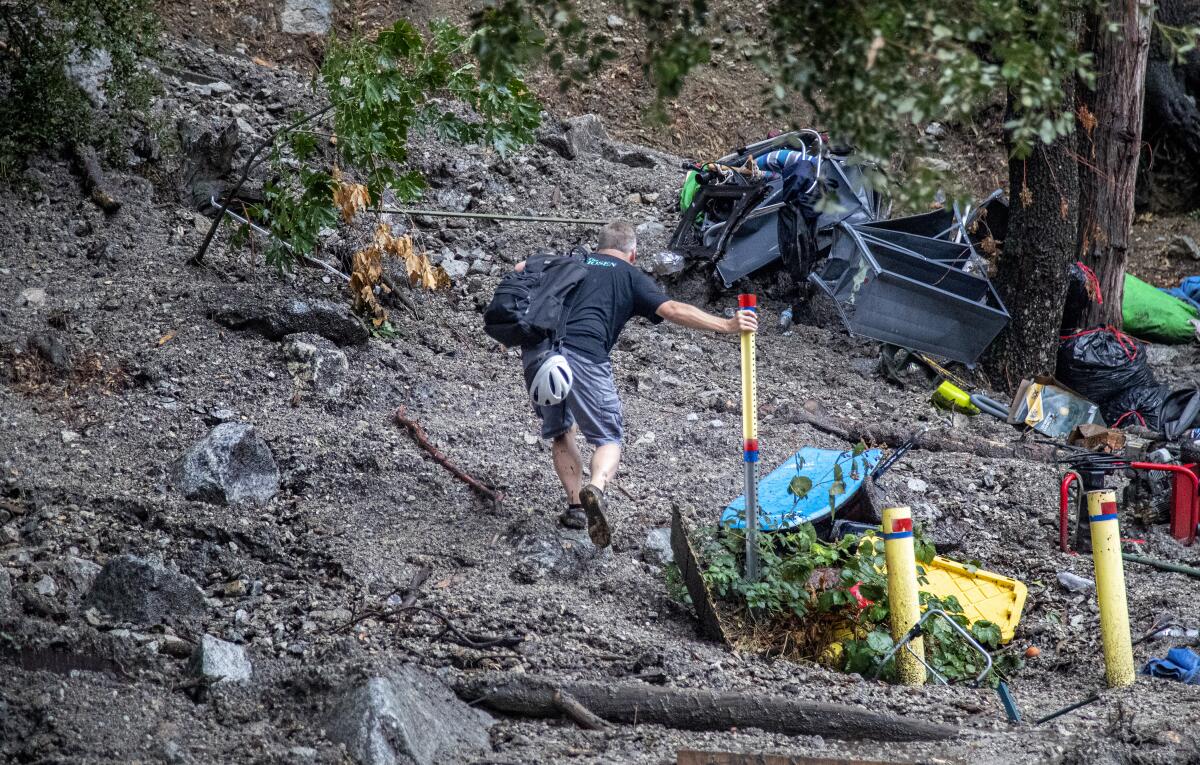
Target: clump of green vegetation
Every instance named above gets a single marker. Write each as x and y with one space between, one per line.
41 105
811 595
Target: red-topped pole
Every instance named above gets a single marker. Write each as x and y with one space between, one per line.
750 439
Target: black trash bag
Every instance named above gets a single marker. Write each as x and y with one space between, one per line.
1179 413
1140 405
1101 363
1077 300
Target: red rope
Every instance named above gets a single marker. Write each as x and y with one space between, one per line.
1127 343
1135 413
1093 283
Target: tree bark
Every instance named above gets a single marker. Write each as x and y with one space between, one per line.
1032 270
693 709
1110 140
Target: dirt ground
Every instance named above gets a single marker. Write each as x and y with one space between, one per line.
85 466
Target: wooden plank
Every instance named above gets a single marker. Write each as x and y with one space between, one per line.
689 568
696 757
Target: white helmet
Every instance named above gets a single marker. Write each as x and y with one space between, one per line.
552 381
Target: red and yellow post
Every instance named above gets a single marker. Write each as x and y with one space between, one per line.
750 439
904 598
1110 588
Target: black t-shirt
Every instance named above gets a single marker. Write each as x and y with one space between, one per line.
611 294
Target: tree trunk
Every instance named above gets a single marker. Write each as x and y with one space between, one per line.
1169 178
1038 249
1110 142
693 709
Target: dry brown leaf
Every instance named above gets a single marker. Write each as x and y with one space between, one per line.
263 62
167 338
873 51
349 197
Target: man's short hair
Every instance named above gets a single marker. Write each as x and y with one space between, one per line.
618 235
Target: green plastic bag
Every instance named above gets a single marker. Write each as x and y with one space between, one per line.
1153 315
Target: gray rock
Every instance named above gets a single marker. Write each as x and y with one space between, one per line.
456 269
918 485
1182 244
306 17
34 297
408 716
231 465
585 136
317 364
629 157
1076 584
143 591
934 164
46 586
207 159
657 549
51 346
651 230
6 590
91 73
331 321
565 553
218 660
935 130
614 21
81 573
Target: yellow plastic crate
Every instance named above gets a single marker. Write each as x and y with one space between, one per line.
982 594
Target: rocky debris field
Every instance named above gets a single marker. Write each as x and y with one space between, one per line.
209 520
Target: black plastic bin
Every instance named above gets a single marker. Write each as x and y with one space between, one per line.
910 291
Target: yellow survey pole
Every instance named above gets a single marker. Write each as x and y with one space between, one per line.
750 439
904 600
1110 588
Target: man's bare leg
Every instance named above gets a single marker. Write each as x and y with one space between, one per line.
604 464
568 464
604 467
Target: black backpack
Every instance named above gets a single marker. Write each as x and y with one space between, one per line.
529 306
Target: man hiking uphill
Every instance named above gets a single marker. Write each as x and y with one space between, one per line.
611 292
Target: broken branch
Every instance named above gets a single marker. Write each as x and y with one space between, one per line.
94 183
418 434
693 709
583 717
930 441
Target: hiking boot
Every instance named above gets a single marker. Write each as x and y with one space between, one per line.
573 517
597 525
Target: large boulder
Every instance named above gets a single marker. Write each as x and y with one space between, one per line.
408 716
276 320
585 135
317 365
231 465
306 17
215 659
143 591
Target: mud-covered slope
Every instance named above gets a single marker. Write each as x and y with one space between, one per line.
86 458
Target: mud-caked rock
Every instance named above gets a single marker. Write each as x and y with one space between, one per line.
277 319
657 549
584 136
408 716
217 660
316 364
6 594
144 591
231 465
306 17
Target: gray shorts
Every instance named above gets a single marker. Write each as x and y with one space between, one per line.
592 404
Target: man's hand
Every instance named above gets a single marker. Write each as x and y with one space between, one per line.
742 321
689 316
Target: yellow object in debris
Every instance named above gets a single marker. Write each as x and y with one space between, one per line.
982 594
904 599
950 396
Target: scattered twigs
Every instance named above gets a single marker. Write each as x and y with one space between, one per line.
470 640
583 717
94 183
418 434
414 587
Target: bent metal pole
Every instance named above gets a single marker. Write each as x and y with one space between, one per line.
750 439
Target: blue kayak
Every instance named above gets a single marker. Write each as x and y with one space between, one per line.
779 509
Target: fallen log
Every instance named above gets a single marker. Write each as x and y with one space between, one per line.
930 441
696 757
693 709
87 164
583 717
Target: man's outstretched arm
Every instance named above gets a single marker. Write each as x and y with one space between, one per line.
692 317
